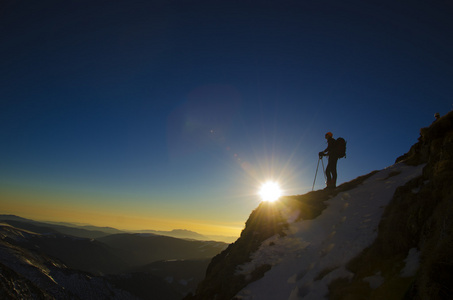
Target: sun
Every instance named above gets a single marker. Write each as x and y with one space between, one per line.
270 191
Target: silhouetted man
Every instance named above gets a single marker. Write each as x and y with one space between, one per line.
331 169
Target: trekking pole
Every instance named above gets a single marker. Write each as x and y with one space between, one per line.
316 174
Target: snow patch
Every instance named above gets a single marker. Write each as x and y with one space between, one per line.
273 251
412 263
416 190
375 281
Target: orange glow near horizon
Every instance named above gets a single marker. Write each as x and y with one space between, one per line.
122 217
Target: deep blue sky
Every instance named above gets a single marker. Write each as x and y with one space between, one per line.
180 109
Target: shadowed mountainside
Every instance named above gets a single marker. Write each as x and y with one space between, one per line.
27 273
50 265
141 249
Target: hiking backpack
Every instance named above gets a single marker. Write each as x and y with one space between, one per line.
340 147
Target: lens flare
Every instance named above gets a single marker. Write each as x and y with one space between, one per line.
270 191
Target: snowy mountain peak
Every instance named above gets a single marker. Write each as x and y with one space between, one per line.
385 235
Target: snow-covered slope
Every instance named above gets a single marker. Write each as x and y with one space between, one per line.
314 252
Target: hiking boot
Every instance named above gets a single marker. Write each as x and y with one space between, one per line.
330 184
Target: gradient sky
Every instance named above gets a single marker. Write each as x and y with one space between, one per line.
170 114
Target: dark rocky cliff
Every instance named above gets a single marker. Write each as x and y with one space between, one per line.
419 217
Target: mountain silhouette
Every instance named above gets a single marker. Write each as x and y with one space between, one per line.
38 262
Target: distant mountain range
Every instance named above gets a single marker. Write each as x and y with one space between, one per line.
89 231
55 260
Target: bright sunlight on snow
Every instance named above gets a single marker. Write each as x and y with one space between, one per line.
270 191
314 252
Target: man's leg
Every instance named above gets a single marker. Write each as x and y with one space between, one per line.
329 173
333 170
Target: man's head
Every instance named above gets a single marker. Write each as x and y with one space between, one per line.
328 135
